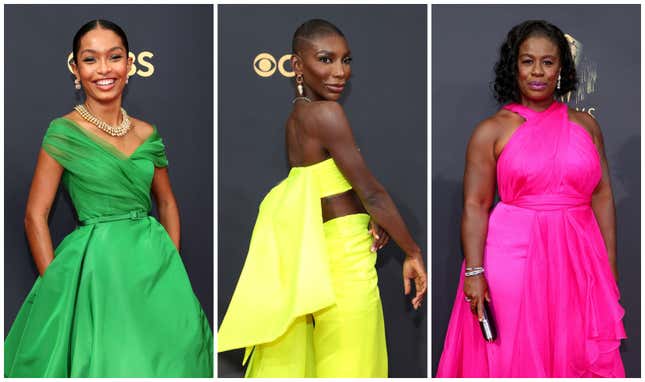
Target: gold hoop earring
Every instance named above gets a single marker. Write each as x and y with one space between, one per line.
77 84
299 86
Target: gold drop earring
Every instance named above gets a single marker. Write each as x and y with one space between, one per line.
301 92
299 81
77 84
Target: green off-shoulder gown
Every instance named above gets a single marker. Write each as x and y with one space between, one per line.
116 300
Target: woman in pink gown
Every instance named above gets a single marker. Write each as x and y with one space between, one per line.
548 247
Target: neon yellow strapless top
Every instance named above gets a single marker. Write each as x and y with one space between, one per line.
330 180
286 273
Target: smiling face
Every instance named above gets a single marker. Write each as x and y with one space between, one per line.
324 64
538 66
102 65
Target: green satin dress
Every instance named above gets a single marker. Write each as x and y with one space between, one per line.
116 300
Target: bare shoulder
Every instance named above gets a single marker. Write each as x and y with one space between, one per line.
491 128
73 116
587 121
141 128
325 117
77 120
326 111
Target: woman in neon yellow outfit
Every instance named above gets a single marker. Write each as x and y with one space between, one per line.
307 302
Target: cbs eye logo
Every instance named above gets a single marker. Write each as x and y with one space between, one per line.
141 59
265 65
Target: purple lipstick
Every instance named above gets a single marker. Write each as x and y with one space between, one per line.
537 85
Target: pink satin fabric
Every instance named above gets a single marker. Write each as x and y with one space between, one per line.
553 294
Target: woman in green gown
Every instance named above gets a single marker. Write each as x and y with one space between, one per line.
113 299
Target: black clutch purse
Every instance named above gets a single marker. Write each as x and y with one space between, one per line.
487 324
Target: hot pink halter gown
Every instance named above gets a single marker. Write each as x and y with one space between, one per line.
552 291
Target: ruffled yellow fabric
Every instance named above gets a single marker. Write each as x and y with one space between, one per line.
286 274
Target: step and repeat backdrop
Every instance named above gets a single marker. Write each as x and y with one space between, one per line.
170 86
386 103
605 42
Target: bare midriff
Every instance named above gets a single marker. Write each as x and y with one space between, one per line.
345 203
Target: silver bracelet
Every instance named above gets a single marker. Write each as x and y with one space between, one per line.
473 271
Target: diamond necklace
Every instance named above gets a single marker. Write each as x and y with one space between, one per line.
115 131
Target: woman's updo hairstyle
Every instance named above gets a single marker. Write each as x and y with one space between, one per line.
94 24
505 86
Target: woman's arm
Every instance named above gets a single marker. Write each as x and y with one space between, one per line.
336 137
479 191
333 131
166 204
602 199
41 196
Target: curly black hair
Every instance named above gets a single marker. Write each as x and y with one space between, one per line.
505 86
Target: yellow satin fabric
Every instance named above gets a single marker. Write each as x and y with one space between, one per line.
307 301
330 180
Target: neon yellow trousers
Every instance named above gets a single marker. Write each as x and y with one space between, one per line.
346 339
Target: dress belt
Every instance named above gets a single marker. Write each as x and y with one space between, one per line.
549 202
132 215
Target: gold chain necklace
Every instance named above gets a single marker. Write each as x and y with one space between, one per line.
115 131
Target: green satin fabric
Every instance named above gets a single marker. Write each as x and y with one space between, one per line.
116 300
